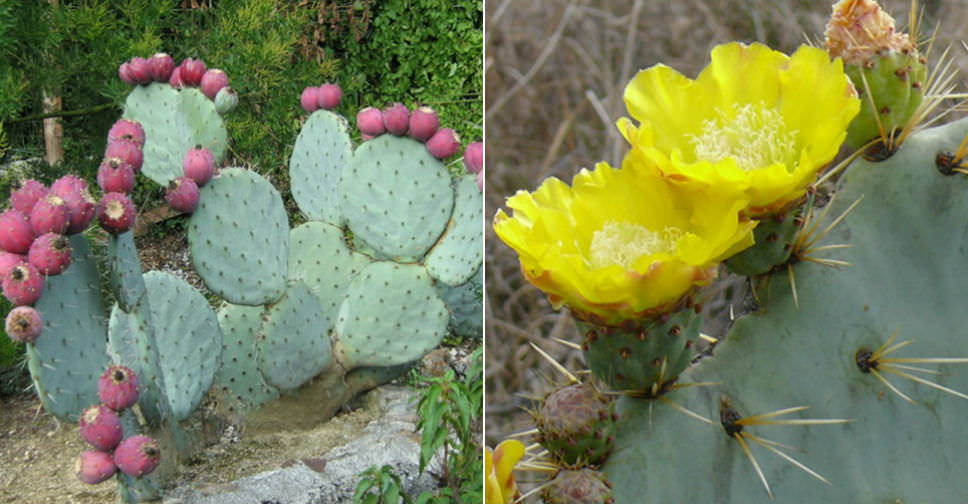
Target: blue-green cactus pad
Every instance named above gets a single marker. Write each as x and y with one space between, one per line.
295 347
319 258
460 251
125 270
188 338
391 315
239 376
239 238
131 344
68 357
396 196
909 270
465 303
322 148
174 122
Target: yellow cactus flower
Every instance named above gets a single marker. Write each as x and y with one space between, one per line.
623 244
500 487
754 118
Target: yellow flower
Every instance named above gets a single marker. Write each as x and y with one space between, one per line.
500 487
623 244
754 118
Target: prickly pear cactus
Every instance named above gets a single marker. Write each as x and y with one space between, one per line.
834 355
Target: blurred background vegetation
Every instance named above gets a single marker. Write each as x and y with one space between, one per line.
417 52
554 78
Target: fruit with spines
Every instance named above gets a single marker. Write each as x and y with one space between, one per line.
139 70
137 456
182 195
161 66
576 424
24 324
370 122
423 123
308 99
8 261
116 213
328 96
80 204
117 388
124 72
93 467
16 235
192 71
50 253
578 486
26 193
114 175
396 119
175 79
50 215
199 165
444 143
101 427
127 129
474 157
226 100
23 285
126 150
213 81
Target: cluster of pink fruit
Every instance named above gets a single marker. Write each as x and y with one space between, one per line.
474 161
199 166
326 97
135 456
161 68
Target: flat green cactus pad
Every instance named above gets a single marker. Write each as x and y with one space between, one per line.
396 197
909 270
239 238
130 336
174 122
465 303
239 378
125 270
460 251
188 337
320 259
294 347
69 356
322 149
390 315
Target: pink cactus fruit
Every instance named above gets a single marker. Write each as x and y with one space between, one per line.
328 96
423 123
50 253
101 427
396 119
182 194
474 157
50 215
370 122
480 180
128 151
93 467
23 285
115 213
175 79
127 129
114 175
192 71
118 388
16 235
137 456
74 191
444 144
9 261
140 70
199 165
161 66
124 72
213 81
25 193
309 99
24 324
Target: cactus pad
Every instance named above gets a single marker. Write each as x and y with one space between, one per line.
460 251
239 238
68 357
322 148
125 267
295 347
397 198
174 122
465 303
892 450
390 315
239 377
